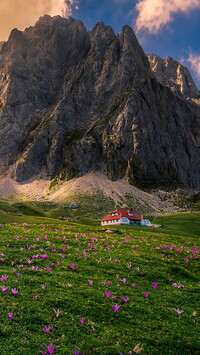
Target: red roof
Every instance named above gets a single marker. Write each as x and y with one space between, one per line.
124 213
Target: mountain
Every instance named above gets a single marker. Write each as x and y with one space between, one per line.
173 75
74 101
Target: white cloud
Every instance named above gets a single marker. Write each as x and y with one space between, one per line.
154 14
24 13
194 60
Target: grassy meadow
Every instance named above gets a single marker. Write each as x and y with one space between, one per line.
69 288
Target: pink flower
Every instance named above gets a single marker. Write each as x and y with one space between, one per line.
4 278
178 311
125 299
4 288
90 282
57 313
133 286
115 308
186 260
14 291
43 287
128 265
47 328
123 280
154 285
107 282
107 294
82 320
10 315
50 349
146 294
44 256
72 266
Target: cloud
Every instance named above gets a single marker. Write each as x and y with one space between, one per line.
194 61
153 15
23 13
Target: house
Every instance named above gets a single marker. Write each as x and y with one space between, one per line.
123 216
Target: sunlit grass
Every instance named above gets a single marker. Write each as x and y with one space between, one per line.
155 273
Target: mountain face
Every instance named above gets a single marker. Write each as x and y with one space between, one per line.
173 75
74 101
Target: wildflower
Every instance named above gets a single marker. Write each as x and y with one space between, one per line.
82 320
57 313
178 311
137 349
76 352
124 280
72 266
4 288
14 291
115 308
154 285
125 299
10 315
90 282
133 286
128 265
43 287
4 278
44 256
50 349
47 328
107 294
107 282
146 294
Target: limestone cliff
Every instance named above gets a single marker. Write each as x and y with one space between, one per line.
74 101
174 75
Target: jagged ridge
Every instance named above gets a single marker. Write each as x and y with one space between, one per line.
74 101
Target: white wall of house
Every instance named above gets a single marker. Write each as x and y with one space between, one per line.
146 223
109 223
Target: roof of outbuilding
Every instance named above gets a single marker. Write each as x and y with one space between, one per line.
124 213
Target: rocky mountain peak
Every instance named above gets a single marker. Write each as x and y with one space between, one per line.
74 101
173 75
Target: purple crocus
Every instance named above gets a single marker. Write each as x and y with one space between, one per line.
4 288
44 256
50 349
123 280
57 313
107 294
125 299
4 278
178 311
154 285
47 328
82 320
115 308
76 352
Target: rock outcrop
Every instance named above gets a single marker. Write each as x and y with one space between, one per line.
74 101
174 75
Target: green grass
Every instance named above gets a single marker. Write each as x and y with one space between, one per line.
187 224
155 256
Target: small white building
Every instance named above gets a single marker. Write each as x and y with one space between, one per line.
123 216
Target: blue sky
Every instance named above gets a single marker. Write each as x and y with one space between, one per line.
178 38
164 27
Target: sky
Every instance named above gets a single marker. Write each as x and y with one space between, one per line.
163 27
